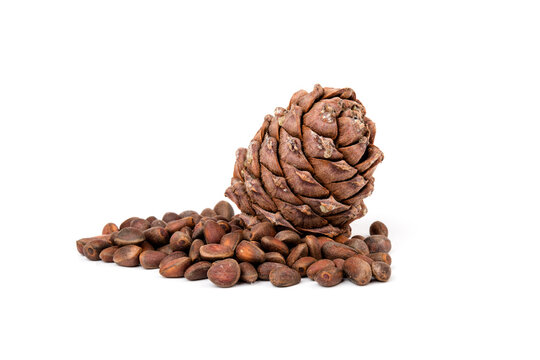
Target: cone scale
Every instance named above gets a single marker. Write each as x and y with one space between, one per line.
310 166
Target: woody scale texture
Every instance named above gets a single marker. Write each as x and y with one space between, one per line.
310 166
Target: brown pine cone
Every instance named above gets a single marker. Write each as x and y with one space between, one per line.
309 166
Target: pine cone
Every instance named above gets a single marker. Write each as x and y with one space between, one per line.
310 166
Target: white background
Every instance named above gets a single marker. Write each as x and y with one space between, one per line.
111 109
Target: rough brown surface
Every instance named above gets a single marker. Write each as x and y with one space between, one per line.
310 166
